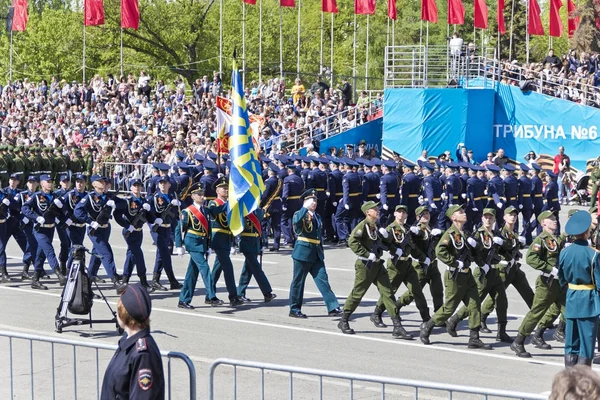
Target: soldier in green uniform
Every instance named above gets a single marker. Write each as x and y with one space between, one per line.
34 164
454 252
88 160
595 181
543 256
492 265
427 275
19 164
9 157
59 165
308 256
40 161
76 164
365 242
27 172
399 266
3 167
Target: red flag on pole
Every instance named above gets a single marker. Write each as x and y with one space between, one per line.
573 21
93 12
500 17
19 22
329 6
287 3
456 12
392 9
251 2
429 11
130 14
481 14
364 6
556 26
535 21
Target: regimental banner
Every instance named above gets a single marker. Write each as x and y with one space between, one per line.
224 124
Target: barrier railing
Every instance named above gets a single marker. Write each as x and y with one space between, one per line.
383 386
121 174
86 373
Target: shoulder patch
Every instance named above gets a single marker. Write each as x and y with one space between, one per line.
141 344
145 378
536 247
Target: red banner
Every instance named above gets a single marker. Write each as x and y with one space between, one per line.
500 17
287 3
364 6
20 15
556 26
535 21
130 14
392 9
93 13
481 14
429 11
573 21
456 12
329 6
251 2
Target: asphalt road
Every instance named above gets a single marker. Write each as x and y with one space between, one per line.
263 332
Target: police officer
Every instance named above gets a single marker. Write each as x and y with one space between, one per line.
525 201
61 229
348 209
309 257
537 195
365 242
270 202
551 201
25 224
454 251
495 191
475 198
388 193
37 209
543 256
293 187
432 192
135 371
410 190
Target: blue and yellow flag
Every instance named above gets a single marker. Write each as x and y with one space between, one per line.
245 180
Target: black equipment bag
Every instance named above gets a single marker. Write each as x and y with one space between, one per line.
82 299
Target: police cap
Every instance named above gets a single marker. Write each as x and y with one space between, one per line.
136 301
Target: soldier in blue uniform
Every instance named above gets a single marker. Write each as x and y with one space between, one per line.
317 179
525 202
13 221
75 227
495 192
198 169
410 191
293 186
25 224
511 188
450 196
153 181
551 201
208 180
194 227
222 241
388 193
61 229
184 183
270 203
4 213
537 196
309 257
305 164
348 209
579 271
371 182
475 198
36 209
464 177
432 192
131 213
336 192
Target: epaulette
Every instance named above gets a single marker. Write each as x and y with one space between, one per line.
141 345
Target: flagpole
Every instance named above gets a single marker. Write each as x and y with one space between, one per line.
332 32
394 33
121 53
243 44
83 69
367 56
512 17
259 40
321 46
354 55
221 37
527 30
281 42
387 35
10 63
298 50
421 34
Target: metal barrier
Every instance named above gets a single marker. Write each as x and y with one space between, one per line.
121 173
81 364
416 387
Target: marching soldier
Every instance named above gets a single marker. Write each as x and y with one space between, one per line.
432 192
184 183
495 191
75 227
336 193
12 224
59 166
365 242
208 180
5 203
450 196
410 191
525 202
388 193
475 197
454 251
26 225
348 209
551 202
595 181
61 229
270 203
293 187
309 257
537 196
543 256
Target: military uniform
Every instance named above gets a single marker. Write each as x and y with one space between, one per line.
409 192
388 196
293 187
526 203
26 226
537 193
551 200
270 203
348 209
13 221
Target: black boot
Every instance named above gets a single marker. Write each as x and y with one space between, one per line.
118 285
475 342
559 332
35 283
502 336
484 328
63 267
518 346
121 288
62 279
571 360
144 282
585 361
4 278
426 328
175 285
156 283
399 331
344 326
376 318
118 277
537 339
25 274
451 325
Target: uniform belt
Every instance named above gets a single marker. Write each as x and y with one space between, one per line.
538 195
462 271
277 198
78 225
320 190
293 197
196 233
219 230
2 221
354 194
47 225
587 286
304 239
3 172
526 195
371 195
413 195
390 196
555 199
512 198
339 194
249 234
503 197
165 225
479 198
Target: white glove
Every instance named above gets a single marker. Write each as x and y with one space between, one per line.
378 195
346 206
111 204
427 261
567 245
94 225
461 145
208 252
414 230
475 209
463 195
485 268
383 232
180 251
175 202
472 242
25 220
233 251
220 175
399 252
130 228
372 257
6 201
146 206
433 206
421 201
460 264
498 240
40 220
499 205
386 207
69 222
554 272
522 239
444 197
284 208
56 221
436 232
520 206
308 203
158 221
334 204
58 203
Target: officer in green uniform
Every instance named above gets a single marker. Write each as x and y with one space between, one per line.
543 256
59 164
365 241
27 172
427 275
9 157
3 168
76 164
399 266
488 276
595 181
579 271
454 252
46 162
308 256
34 163
18 164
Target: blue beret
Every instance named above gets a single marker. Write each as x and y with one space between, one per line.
209 165
493 168
578 223
45 177
80 177
135 181
136 301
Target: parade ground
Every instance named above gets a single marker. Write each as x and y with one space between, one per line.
264 332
